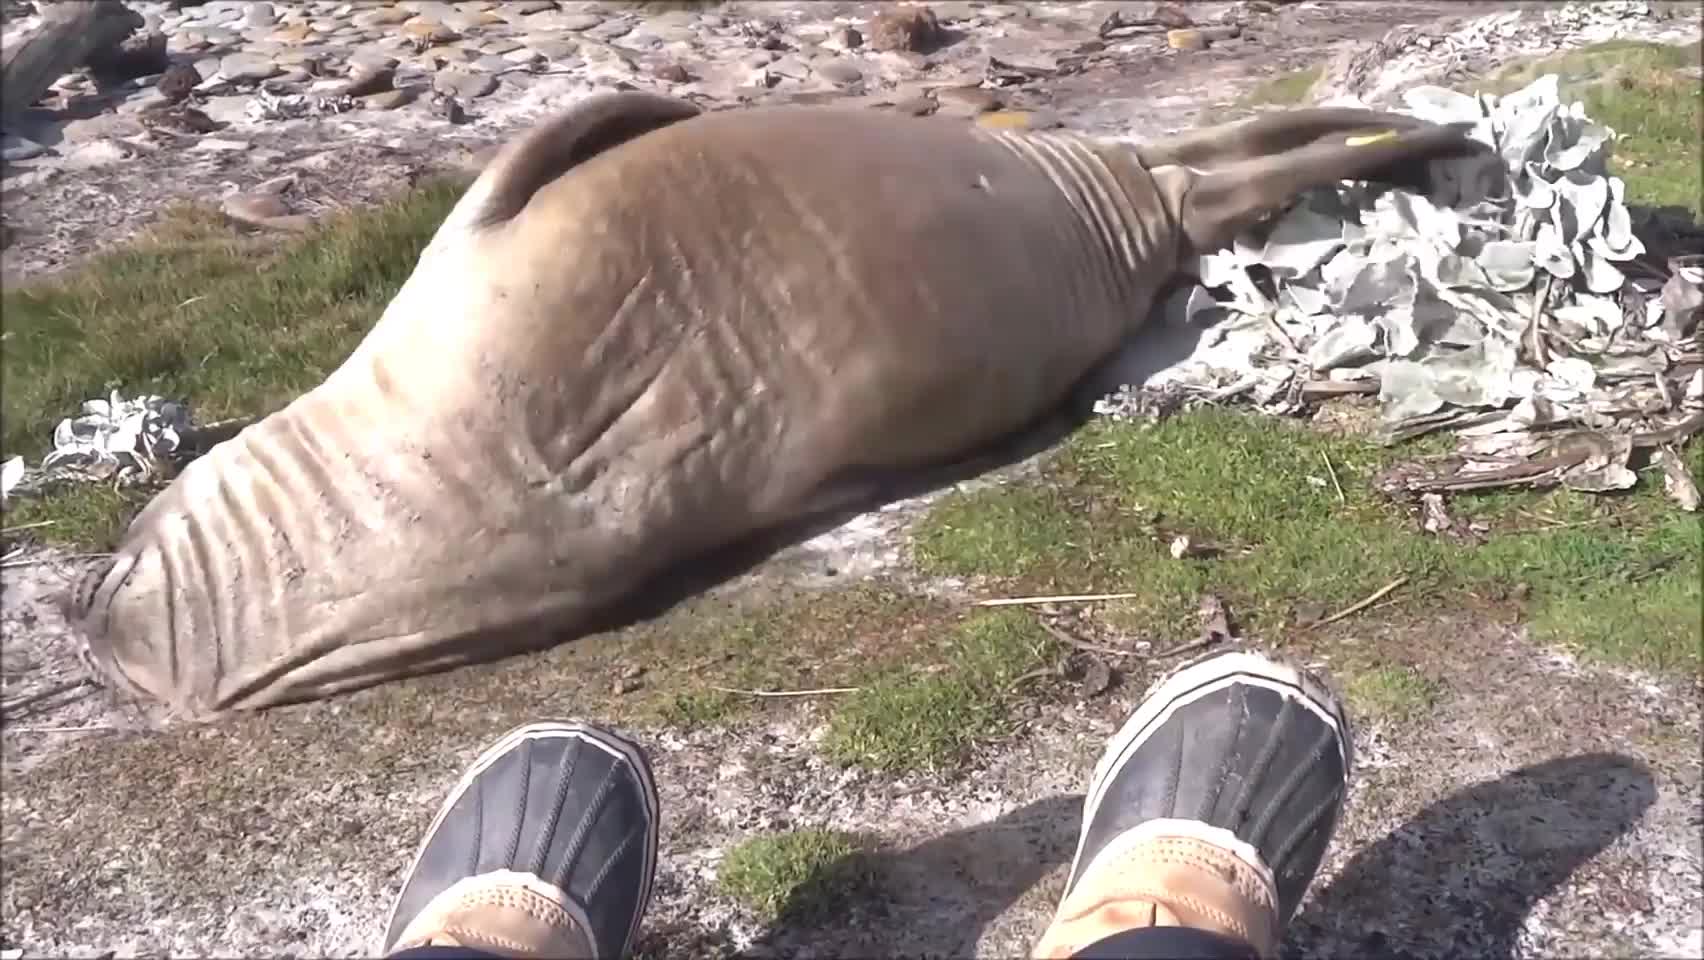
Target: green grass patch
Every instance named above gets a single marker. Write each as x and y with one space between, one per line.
198 312
929 712
798 874
1392 692
1284 90
1260 491
84 516
1636 88
810 641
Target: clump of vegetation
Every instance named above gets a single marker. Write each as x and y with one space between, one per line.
928 717
1295 521
235 325
1393 692
797 874
1284 90
1639 90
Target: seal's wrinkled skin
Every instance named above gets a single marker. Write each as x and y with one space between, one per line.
645 333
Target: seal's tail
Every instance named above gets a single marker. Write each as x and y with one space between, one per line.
1224 179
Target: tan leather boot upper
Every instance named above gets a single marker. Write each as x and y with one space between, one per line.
504 912
1168 873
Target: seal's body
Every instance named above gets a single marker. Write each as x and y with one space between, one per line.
643 334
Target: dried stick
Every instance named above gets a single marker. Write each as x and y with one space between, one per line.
21 702
1355 608
1063 598
820 691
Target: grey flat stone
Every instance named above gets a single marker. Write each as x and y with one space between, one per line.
13 149
838 72
463 84
260 15
244 67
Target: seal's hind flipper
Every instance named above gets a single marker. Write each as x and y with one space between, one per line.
1214 205
1267 134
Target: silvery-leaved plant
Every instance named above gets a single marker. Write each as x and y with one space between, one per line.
1436 303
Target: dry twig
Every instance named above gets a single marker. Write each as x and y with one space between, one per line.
1067 598
49 559
8 531
18 703
819 692
1073 641
1357 607
89 728
1333 472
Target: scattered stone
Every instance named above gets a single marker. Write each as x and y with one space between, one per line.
429 30
463 84
295 33
143 102
968 101
263 210
363 82
552 50
524 7
221 145
178 80
247 68
672 73
839 72
371 61
258 205
917 106
88 129
577 22
1171 16
611 30
464 21
790 67
99 153
449 108
382 17
232 109
138 55
846 37
260 15
444 56
180 119
1186 40
911 28
13 148
391 99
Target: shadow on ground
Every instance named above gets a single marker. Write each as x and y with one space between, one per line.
938 897
1460 878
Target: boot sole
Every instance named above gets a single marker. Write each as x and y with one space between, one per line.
610 743
1190 682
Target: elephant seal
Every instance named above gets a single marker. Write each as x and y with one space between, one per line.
646 332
